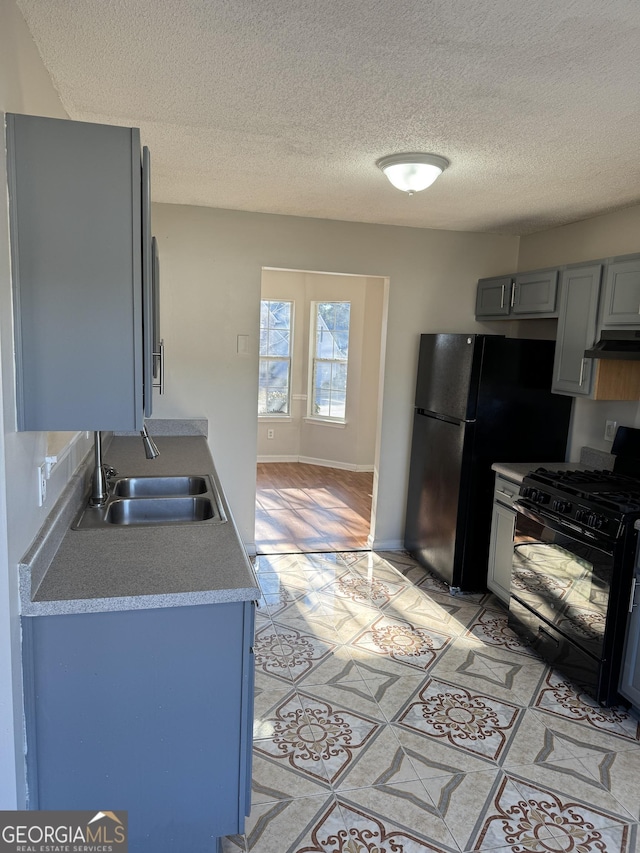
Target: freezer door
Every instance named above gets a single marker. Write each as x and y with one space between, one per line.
437 495
448 374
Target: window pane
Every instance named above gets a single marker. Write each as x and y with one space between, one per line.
331 350
275 352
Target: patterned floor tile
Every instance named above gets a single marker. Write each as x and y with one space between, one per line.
470 721
436 757
574 782
280 827
301 651
266 708
293 740
383 762
372 592
414 605
348 618
559 697
277 780
394 817
293 582
514 680
412 645
490 627
534 744
343 827
538 814
619 773
270 659
392 692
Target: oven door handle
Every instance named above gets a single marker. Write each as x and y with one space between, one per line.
561 524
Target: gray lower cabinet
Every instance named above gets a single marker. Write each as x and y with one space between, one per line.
629 685
79 206
149 711
577 327
621 297
501 543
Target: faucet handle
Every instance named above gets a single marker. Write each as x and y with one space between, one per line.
109 472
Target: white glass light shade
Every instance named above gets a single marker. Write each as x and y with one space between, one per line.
412 172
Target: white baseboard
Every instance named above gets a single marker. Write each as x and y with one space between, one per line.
324 463
250 548
387 545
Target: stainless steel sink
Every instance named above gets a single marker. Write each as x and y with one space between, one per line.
159 510
153 487
156 500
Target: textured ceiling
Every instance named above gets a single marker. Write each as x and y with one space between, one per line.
283 106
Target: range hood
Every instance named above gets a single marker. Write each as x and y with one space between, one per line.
620 344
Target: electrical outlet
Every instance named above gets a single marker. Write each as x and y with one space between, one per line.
610 430
42 484
271 433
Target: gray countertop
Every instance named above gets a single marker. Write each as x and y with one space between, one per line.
589 458
128 568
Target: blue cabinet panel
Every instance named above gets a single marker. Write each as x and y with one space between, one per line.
147 711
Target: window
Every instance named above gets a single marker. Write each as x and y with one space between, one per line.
330 350
275 358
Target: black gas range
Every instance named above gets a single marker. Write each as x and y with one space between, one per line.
574 549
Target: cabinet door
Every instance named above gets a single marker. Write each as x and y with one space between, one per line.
148 321
75 215
578 310
535 293
501 551
621 302
630 677
493 298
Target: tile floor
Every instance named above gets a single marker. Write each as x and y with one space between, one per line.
391 717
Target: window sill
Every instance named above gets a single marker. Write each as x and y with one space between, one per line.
326 422
262 419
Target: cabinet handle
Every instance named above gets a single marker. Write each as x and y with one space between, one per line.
513 294
502 296
509 495
160 355
581 371
632 602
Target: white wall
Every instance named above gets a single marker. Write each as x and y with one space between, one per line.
24 87
350 445
603 236
212 262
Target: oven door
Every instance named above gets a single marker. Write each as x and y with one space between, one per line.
562 574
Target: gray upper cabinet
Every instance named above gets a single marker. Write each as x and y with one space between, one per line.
621 299
535 293
493 297
531 295
80 253
577 325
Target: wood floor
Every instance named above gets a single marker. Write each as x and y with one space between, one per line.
307 508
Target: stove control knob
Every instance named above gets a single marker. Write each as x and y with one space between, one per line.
527 492
598 522
561 506
582 515
542 498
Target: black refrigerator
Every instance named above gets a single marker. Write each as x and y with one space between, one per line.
480 399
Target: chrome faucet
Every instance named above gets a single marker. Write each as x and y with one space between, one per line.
101 473
150 449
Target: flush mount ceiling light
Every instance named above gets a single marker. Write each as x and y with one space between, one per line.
412 173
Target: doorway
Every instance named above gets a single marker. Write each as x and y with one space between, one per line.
317 439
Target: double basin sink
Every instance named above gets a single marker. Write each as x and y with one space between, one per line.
144 501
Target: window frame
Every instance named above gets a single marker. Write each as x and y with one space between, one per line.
315 359
277 358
